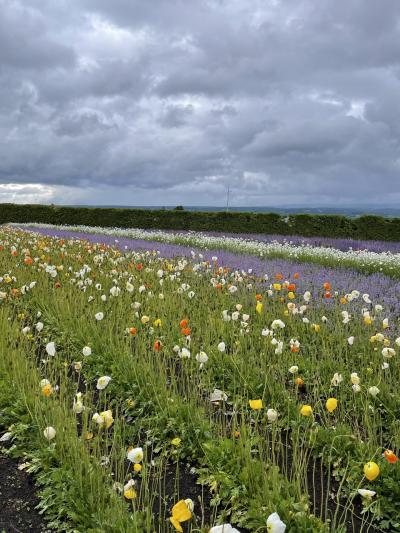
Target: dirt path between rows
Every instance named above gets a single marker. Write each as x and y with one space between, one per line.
18 501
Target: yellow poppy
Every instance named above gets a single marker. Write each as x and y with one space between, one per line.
180 513
306 410
256 404
130 494
331 404
371 470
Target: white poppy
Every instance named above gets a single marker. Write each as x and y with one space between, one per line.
337 378
51 349
202 357
218 395
275 524
103 382
224 528
114 291
78 404
49 433
277 324
374 391
6 436
135 455
39 326
185 353
221 347
99 316
365 493
272 415
87 351
388 352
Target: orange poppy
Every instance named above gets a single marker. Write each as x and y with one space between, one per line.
57 285
278 276
28 260
327 286
291 287
296 275
157 345
139 266
294 349
185 331
390 456
218 286
183 323
133 331
327 295
299 382
258 297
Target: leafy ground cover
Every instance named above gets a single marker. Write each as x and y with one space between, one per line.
151 393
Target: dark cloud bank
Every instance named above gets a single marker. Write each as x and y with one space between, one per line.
170 101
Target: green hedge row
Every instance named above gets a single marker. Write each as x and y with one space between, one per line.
367 227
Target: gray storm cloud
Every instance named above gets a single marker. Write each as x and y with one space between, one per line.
170 101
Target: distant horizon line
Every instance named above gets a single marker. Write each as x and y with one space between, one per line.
204 207
173 206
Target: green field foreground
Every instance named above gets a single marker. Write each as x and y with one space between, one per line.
155 395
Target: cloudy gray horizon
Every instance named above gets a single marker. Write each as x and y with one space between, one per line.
168 102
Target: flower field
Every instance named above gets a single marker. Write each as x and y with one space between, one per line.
376 257
178 383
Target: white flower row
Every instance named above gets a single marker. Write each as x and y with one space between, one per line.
364 260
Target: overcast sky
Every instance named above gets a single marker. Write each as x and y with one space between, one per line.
166 102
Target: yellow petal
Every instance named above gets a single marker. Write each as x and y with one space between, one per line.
331 404
181 512
256 404
130 494
176 524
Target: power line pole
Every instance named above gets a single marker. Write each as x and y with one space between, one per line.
227 199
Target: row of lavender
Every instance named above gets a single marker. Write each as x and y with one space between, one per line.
378 286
